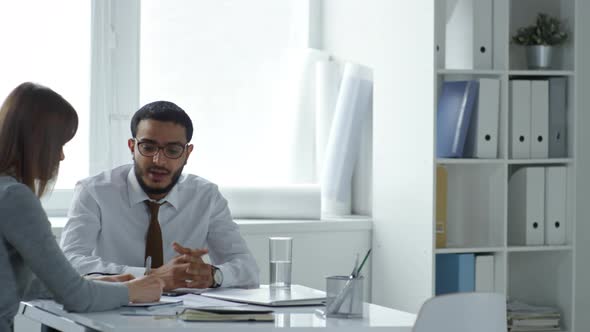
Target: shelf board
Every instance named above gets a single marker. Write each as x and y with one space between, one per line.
468 250
539 248
512 72
469 161
540 161
541 73
502 249
470 72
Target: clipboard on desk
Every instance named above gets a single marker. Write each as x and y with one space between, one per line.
297 295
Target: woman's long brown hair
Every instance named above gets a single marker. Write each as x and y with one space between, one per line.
35 123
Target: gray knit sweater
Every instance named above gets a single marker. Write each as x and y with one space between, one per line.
32 264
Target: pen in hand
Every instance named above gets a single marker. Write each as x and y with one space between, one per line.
148 265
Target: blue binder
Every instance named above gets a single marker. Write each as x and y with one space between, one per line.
455 273
455 106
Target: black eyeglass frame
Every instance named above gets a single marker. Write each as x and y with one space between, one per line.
160 147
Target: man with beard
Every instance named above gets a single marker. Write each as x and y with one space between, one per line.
121 217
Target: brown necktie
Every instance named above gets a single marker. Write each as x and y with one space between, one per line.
153 243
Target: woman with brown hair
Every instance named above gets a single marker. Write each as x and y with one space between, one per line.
35 123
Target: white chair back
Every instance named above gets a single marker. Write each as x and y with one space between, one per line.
463 312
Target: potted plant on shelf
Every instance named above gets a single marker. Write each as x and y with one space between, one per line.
540 39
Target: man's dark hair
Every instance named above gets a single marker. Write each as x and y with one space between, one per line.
163 111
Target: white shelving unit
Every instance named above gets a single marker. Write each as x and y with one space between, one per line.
477 189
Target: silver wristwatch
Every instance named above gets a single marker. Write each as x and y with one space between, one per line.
217 276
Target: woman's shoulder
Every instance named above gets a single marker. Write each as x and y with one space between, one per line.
12 191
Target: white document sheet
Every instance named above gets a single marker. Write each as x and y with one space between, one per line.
198 301
196 291
164 301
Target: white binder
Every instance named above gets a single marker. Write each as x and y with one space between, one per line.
555 205
484 273
482 34
539 119
520 116
458 34
557 117
468 34
526 210
482 141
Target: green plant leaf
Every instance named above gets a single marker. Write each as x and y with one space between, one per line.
547 30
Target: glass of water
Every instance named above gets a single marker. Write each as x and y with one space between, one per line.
280 253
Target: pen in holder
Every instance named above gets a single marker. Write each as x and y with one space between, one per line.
344 296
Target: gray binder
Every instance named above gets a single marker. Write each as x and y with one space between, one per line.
557 117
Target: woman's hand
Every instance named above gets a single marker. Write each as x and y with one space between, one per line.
145 289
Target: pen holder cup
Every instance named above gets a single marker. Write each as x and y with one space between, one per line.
344 296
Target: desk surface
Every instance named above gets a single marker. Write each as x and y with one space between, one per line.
301 318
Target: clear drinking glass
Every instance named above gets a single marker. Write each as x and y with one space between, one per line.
280 253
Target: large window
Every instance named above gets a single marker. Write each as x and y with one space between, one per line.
48 42
235 66
229 65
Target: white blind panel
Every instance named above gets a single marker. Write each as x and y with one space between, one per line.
226 63
48 42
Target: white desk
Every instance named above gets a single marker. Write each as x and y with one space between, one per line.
376 318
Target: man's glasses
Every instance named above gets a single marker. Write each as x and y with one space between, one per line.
171 151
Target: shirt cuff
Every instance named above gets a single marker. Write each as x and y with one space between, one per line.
137 272
228 278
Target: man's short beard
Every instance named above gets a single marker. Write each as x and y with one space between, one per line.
156 191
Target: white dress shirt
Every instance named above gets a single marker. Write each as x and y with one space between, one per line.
108 222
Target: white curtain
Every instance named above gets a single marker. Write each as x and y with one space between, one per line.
300 99
114 77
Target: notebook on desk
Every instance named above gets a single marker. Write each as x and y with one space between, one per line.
297 295
226 314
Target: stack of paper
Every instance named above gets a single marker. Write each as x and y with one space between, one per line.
226 314
524 317
172 306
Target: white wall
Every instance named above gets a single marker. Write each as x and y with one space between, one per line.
396 39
